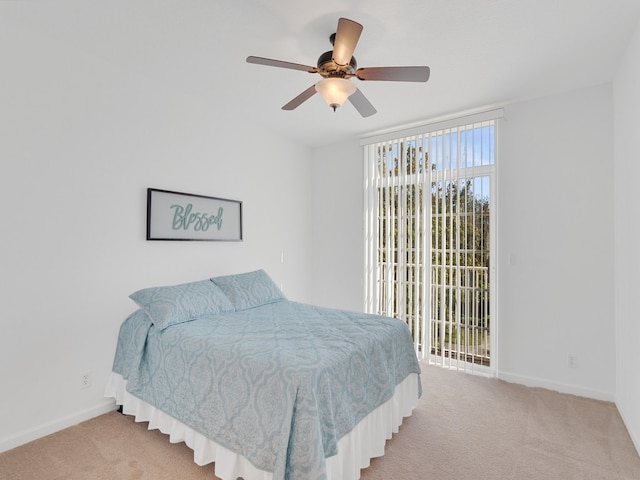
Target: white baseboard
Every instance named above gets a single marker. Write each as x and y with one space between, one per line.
557 386
56 425
634 435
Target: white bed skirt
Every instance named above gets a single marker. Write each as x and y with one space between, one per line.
355 450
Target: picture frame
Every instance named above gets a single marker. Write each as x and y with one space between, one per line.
190 217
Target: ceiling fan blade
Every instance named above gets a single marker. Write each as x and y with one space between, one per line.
279 63
347 36
303 97
361 103
398 74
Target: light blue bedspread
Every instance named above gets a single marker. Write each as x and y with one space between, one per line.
279 384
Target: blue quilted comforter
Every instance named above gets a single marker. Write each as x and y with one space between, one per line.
279 384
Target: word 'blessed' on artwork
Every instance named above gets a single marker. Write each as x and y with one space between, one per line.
184 219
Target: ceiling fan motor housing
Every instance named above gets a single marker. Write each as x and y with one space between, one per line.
328 68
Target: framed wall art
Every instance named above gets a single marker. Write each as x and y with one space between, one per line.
185 216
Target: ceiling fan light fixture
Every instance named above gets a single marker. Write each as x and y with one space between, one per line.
335 90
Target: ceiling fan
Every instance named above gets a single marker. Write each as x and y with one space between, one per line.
337 66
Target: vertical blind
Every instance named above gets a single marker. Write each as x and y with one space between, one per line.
428 227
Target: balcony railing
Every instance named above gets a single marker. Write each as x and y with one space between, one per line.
458 325
460 318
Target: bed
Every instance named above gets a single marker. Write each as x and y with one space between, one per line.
266 388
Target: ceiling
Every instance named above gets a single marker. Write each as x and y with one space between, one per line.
482 53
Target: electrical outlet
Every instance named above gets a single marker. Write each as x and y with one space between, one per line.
572 360
85 380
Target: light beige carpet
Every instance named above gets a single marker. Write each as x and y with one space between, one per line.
464 427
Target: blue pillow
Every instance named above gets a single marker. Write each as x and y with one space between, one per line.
248 290
175 304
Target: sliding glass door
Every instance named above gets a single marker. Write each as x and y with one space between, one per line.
430 222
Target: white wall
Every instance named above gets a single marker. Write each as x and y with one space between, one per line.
627 235
555 202
337 226
555 220
82 139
